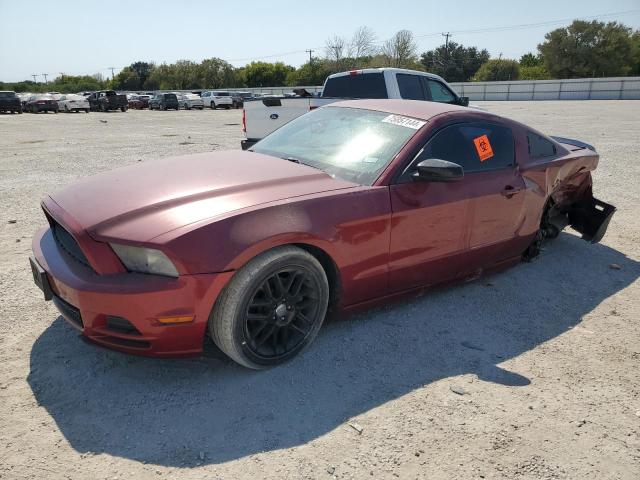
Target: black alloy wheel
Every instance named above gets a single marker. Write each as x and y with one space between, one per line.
272 308
281 313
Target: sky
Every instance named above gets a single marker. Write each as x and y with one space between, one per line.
88 37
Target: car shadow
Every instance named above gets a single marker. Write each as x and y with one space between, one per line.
208 410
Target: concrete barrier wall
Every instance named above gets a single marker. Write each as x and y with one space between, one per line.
619 88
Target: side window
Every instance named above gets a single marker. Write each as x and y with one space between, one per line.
540 147
410 87
440 93
477 146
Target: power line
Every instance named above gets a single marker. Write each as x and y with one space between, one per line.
532 25
463 32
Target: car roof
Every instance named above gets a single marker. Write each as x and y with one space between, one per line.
411 108
386 69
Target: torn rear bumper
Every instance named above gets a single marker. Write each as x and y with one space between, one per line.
591 218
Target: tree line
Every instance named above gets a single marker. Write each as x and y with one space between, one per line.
582 49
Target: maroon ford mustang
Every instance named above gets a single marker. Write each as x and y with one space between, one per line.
349 204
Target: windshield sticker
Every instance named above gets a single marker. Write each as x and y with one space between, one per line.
404 121
483 147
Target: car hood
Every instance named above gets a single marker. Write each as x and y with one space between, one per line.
140 202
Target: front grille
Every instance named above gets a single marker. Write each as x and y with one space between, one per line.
68 311
68 243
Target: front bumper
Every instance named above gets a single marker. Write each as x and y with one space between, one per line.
90 302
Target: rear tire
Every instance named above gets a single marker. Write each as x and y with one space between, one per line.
549 230
272 309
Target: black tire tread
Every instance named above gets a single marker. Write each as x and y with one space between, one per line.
221 320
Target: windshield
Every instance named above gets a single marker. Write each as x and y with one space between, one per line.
348 143
7 95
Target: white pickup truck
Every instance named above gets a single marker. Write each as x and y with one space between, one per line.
262 116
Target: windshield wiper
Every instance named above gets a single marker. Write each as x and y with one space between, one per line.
300 162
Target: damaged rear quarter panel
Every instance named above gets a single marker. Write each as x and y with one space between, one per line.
564 178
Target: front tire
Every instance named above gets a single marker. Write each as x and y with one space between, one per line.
272 308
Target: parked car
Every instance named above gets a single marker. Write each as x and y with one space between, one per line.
214 99
138 102
263 116
348 205
190 100
42 102
106 100
239 98
164 101
24 98
10 102
73 103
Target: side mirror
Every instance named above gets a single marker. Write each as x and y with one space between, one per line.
435 170
463 101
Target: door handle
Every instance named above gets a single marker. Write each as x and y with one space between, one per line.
509 191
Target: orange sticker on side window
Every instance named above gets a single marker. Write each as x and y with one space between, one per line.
483 147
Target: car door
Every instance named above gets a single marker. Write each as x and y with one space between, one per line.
445 230
497 193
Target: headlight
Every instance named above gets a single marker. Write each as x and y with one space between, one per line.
145 260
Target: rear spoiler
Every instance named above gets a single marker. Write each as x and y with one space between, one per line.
575 143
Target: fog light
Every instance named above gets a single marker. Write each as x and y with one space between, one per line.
176 319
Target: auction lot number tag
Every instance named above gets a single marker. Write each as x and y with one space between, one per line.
483 147
404 121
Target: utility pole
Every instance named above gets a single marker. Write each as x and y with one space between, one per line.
45 77
34 75
500 56
446 52
112 69
446 41
309 52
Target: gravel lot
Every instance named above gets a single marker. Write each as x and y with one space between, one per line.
531 373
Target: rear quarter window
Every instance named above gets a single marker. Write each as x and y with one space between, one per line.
364 85
540 147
